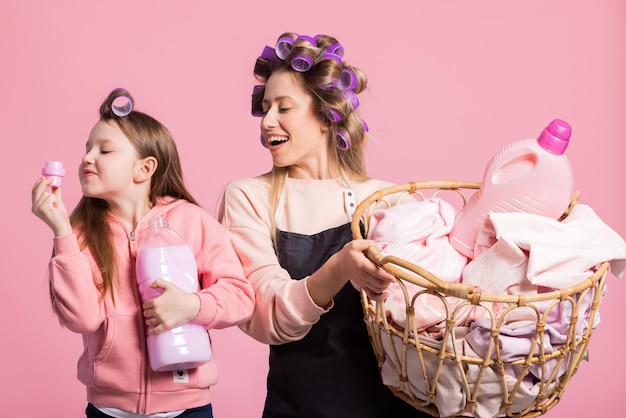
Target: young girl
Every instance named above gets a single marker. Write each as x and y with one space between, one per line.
130 175
291 228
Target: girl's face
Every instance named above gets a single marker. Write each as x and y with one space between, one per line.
109 165
296 136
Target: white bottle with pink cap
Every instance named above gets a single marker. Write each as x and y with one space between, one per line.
164 254
530 176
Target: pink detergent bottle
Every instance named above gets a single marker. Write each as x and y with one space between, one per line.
530 176
164 254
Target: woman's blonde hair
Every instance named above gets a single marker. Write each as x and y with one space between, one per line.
334 103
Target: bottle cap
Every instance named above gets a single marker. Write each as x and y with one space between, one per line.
54 170
555 137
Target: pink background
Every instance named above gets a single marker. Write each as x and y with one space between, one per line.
451 82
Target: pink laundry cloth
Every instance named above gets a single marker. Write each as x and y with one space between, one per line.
450 398
560 254
449 385
519 334
494 388
417 232
431 312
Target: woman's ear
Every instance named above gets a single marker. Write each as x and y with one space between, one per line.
145 169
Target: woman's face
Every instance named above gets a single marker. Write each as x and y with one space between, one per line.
296 136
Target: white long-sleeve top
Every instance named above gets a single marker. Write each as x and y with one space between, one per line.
284 310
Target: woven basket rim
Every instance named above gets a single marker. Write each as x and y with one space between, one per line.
422 277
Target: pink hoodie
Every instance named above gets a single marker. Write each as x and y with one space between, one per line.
114 365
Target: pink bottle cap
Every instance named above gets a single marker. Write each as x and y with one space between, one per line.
54 170
555 137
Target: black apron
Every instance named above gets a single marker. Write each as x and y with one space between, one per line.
332 372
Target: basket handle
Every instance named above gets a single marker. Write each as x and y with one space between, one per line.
421 276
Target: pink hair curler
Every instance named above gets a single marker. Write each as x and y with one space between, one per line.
55 171
122 106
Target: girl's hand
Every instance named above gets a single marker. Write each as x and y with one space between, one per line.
49 207
173 308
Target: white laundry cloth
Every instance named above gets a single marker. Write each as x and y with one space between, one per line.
560 254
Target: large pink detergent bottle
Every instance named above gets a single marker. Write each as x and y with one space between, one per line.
530 176
164 254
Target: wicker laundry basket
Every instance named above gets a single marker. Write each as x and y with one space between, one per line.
440 375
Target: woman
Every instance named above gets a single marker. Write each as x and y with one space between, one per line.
291 230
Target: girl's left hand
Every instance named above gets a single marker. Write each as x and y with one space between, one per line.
173 308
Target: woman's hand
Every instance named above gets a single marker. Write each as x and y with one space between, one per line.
173 308
363 273
49 207
349 264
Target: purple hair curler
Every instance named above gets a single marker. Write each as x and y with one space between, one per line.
332 115
328 56
122 106
351 97
309 39
365 127
348 80
257 110
301 63
263 142
327 84
55 171
343 140
268 54
335 49
283 47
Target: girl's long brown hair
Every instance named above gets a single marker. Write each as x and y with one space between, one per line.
151 139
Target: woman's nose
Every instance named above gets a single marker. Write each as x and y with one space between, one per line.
269 120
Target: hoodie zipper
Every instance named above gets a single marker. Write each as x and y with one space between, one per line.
143 336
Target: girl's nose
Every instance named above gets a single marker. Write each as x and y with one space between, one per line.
87 158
